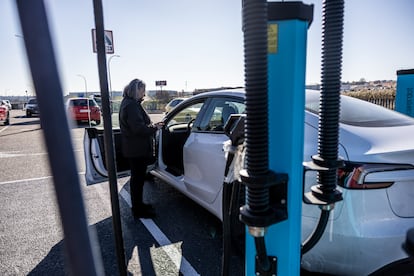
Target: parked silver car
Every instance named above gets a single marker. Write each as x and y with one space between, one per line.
365 231
32 108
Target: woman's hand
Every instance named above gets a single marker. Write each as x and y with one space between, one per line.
159 125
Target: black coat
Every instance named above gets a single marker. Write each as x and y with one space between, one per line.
136 130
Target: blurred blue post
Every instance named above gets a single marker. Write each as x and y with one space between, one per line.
404 98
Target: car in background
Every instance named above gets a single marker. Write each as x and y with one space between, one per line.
32 108
4 113
7 102
365 231
172 104
83 110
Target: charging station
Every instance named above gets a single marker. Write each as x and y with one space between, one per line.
287 25
287 30
404 98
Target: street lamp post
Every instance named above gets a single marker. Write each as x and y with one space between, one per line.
109 73
86 95
84 79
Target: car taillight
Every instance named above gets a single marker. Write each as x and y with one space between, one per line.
362 175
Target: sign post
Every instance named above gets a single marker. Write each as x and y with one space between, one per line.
161 83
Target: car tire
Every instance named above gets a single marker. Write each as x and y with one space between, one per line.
28 114
98 122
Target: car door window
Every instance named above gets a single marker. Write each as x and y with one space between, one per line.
177 130
219 112
185 116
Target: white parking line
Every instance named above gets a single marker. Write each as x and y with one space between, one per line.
162 240
174 254
25 180
31 179
4 128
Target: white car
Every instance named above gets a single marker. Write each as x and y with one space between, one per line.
365 231
7 103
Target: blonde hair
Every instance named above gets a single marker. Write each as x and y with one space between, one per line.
132 88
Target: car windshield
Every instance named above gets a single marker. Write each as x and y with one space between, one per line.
32 101
361 113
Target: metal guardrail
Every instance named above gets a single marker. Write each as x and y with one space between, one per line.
385 102
383 98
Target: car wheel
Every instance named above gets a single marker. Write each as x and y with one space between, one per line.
28 114
98 122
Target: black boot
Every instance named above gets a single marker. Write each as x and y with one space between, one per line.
143 211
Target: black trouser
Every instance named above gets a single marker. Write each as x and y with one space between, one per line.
138 167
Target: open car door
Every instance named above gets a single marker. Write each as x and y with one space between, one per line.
94 150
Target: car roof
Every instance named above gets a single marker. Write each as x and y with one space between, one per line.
178 99
236 92
353 111
225 92
79 98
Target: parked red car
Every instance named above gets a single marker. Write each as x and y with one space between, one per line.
84 109
4 113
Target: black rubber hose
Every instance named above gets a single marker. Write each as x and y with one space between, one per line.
317 233
256 126
262 257
328 136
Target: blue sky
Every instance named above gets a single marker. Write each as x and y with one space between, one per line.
197 44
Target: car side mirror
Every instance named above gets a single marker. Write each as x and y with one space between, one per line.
234 128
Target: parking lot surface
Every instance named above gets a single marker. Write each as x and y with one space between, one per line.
183 239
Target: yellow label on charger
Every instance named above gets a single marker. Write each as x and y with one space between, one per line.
272 30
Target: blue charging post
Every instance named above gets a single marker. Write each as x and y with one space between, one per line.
288 23
404 99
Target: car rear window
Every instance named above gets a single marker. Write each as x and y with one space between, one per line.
83 102
361 113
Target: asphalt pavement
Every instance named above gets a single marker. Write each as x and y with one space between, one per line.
183 239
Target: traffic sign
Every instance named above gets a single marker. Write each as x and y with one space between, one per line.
109 42
161 83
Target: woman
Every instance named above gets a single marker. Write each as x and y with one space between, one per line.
137 143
